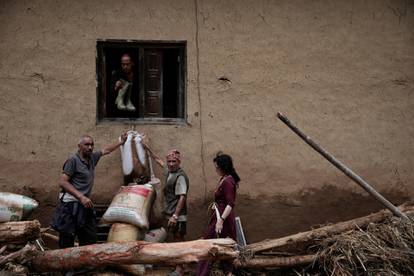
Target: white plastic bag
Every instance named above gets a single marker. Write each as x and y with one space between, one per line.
156 235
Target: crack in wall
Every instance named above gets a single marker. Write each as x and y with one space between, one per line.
199 100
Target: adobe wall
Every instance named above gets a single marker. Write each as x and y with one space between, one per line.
343 71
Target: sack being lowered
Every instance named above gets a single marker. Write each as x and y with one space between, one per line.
14 207
131 205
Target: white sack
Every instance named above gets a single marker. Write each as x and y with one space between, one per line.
14 207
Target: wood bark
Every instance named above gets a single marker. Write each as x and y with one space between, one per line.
133 252
347 171
20 256
19 231
300 241
261 262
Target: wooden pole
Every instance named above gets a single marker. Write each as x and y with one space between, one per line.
133 252
342 167
300 241
261 262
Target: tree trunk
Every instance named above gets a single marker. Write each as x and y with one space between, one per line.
19 231
133 252
20 256
300 241
261 262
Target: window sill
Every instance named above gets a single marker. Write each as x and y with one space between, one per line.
143 121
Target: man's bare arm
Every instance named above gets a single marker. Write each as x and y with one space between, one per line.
153 155
107 149
69 188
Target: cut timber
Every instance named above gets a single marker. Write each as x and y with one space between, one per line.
261 262
19 231
347 171
21 256
133 252
300 241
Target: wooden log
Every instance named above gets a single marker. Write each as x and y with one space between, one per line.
347 171
21 256
261 262
133 252
19 231
300 241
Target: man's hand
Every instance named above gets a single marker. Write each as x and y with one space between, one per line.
124 136
87 202
172 222
118 85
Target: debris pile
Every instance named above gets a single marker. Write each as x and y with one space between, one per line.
377 244
385 248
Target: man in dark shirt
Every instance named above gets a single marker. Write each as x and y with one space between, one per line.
75 215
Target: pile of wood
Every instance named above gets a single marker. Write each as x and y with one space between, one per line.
17 241
339 249
315 250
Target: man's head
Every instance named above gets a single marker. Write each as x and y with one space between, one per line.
173 160
126 63
85 146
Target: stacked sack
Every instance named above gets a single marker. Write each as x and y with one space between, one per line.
134 205
129 212
14 207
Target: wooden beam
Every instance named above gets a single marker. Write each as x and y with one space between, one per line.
299 241
133 252
347 171
19 231
21 255
262 262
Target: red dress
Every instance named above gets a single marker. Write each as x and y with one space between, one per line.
224 195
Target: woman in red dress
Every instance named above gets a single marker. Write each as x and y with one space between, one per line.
224 226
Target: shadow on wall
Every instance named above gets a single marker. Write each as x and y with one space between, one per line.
281 215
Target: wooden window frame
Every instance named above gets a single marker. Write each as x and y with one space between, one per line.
102 79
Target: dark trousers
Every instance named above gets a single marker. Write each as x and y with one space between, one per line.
73 220
86 235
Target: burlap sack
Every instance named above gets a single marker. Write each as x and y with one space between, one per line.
131 205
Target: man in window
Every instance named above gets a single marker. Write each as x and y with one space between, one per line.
124 81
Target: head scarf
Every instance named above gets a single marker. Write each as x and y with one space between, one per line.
174 154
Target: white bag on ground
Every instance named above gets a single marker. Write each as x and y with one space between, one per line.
156 235
14 207
131 205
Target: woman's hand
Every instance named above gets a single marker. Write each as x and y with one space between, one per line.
219 225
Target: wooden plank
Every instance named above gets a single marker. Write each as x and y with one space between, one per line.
19 231
133 252
299 241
